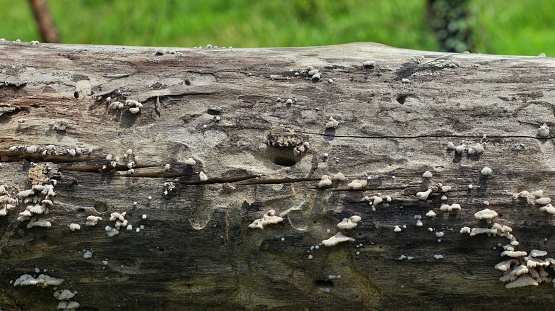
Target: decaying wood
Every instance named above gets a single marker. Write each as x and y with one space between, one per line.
257 154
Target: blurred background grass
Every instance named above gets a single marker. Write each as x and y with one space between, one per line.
524 27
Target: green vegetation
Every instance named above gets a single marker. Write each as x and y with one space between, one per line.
499 26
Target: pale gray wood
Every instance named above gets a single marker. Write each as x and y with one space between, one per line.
196 250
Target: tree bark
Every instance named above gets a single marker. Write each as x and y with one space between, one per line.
220 107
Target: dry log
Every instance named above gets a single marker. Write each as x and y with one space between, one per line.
203 142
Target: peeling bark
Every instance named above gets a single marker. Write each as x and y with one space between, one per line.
220 108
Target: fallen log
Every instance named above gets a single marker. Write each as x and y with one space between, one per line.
174 178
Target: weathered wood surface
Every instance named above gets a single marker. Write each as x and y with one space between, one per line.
196 250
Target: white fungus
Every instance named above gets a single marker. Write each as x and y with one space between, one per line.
111 232
87 254
267 219
478 148
424 194
337 238
74 227
427 174
332 123
190 161
42 280
543 201
349 223
39 223
465 230
68 305
64 294
92 220
202 176
486 171
537 253
357 184
514 253
543 131
548 209
438 256
523 280
325 181
430 213
339 176
485 214
397 229
369 64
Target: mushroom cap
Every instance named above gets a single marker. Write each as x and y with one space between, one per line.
485 214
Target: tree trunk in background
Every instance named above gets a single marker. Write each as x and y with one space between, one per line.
46 25
449 21
210 149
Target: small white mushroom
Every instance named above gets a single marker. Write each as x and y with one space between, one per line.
543 131
427 174
543 201
423 195
445 188
369 64
202 176
190 161
339 176
478 148
430 213
74 227
486 171
485 214
357 184
332 123
548 209
325 181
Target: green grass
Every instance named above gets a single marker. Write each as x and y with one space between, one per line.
525 27
501 27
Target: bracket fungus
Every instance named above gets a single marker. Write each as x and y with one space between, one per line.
325 181
42 280
268 218
486 214
349 223
337 238
450 208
